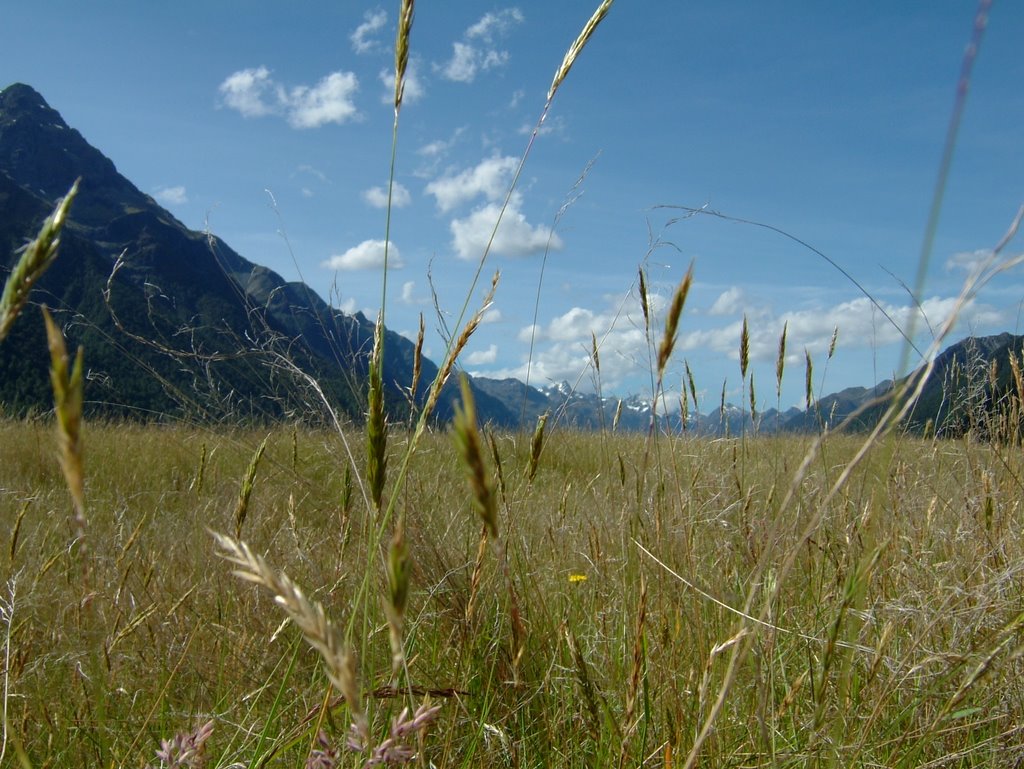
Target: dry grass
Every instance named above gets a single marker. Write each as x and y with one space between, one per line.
891 641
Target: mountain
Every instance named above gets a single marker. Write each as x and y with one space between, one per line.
976 387
174 322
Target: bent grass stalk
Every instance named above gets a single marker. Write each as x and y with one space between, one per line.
309 617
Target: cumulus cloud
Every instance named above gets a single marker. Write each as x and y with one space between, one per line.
491 315
362 38
860 323
968 261
368 255
515 236
564 343
409 295
254 93
329 101
729 302
482 357
378 196
489 178
247 91
478 50
497 23
171 196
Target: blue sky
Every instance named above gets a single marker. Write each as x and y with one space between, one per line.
270 124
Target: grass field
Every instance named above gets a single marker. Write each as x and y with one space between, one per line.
619 611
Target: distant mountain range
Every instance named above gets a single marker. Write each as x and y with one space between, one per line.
177 325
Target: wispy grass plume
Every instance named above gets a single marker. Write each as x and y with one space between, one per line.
308 616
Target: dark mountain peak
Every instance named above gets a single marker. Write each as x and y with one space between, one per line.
982 347
45 155
23 101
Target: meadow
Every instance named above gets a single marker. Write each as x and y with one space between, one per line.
620 614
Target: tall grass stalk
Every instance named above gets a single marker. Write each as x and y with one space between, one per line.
68 393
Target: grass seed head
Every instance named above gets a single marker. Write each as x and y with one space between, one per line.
675 310
536 446
405 17
242 507
744 348
68 388
577 46
808 378
467 440
308 616
689 381
644 306
35 259
780 361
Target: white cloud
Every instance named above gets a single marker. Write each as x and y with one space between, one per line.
329 101
368 255
254 93
491 24
729 302
861 325
440 146
491 315
245 91
171 196
489 178
462 66
515 236
348 306
483 357
414 88
307 192
362 41
378 196
409 295
476 52
969 261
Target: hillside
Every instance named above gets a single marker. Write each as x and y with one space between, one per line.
178 325
174 321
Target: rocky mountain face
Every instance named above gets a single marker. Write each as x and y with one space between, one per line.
177 325
174 321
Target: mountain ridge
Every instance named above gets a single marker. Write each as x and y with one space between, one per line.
177 324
